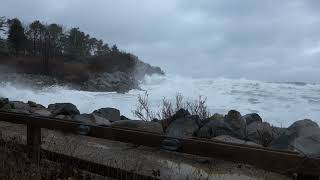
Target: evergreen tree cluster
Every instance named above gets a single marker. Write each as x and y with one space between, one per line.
42 39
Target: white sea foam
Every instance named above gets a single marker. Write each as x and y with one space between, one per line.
278 103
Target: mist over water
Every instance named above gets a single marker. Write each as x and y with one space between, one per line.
278 103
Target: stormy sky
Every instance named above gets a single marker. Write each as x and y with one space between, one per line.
267 40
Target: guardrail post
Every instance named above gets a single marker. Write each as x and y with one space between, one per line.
34 142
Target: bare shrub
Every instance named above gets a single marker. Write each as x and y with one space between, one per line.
143 111
167 109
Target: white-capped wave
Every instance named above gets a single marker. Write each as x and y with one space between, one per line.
278 103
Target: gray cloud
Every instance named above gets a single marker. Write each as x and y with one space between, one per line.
268 40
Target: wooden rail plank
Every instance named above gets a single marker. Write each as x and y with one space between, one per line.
265 158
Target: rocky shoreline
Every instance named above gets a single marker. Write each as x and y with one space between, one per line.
302 136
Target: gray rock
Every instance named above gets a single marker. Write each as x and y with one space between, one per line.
215 127
236 122
64 117
92 119
63 109
259 132
253 117
184 127
42 112
6 107
122 117
3 101
141 125
181 113
111 114
32 104
20 106
20 111
230 139
214 117
301 124
302 136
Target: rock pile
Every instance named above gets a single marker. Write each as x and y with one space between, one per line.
302 136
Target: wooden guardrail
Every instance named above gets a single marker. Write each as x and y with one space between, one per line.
285 162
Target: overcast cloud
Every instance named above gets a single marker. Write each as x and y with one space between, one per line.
268 40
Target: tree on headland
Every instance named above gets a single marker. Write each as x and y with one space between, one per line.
76 43
36 33
115 49
16 36
50 46
2 23
55 33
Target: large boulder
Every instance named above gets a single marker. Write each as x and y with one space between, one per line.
35 107
184 127
214 127
140 125
4 104
110 114
20 106
181 113
253 117
236 122
302 136
230 139
302 124
42 112
3 101
259 132
64 117
92 119
63 109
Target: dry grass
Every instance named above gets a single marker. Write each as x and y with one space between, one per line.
15 164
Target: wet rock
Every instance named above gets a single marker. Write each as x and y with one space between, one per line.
259 132
302 136
184 127
253 117
214 127
110 114
230 139
236 122
92 119
63 109
141 125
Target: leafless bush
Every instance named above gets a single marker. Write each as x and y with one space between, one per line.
167 109
143 110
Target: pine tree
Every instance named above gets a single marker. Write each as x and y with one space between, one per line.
16 36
